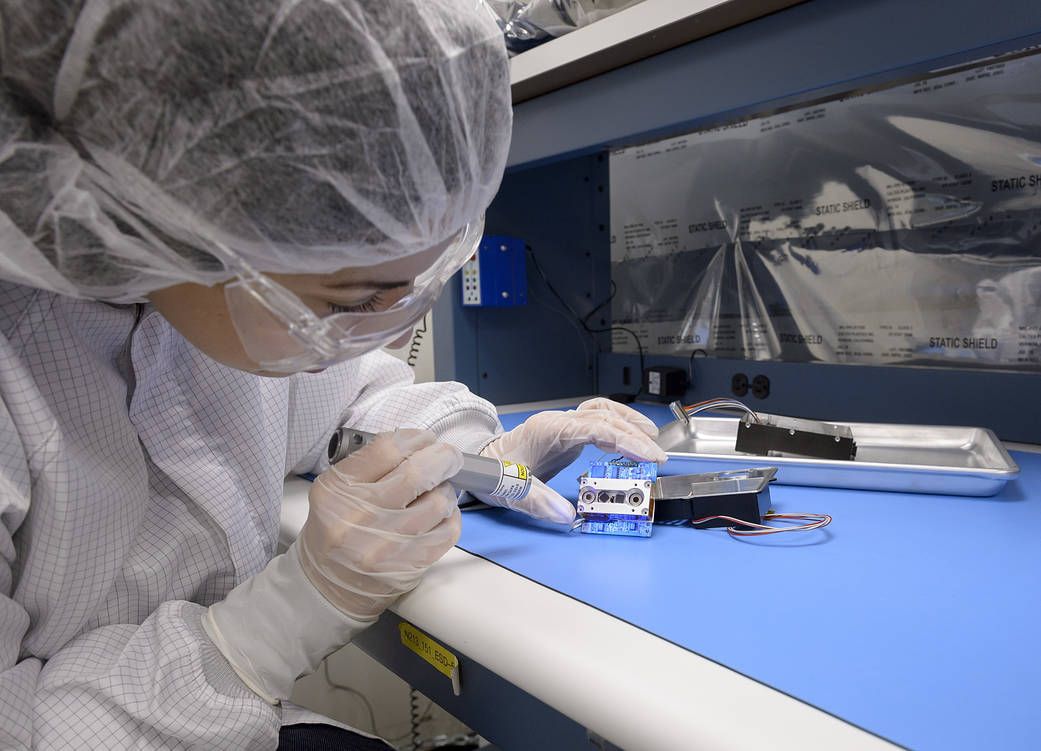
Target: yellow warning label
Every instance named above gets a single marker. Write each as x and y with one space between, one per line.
512 469
429 649
514 481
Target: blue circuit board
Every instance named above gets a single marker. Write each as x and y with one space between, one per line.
623 469
616 524
629 525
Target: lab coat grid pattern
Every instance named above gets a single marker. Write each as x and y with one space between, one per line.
140 482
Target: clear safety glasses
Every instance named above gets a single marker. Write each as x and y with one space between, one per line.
283 335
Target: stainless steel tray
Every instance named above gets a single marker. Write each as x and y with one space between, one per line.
905 458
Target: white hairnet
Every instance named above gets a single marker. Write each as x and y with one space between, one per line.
303 135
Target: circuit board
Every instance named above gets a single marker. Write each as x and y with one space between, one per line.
614 498
623 469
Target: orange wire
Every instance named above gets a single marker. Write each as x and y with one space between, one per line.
817 521
723 403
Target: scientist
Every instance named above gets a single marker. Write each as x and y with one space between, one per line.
196 197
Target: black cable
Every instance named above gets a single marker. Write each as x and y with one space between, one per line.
630 332
610 297
417 340
584 320
416 718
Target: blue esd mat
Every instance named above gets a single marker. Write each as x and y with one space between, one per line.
914 617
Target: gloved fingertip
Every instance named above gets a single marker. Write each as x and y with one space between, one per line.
451 500
545 503
642 450
457 526
563 514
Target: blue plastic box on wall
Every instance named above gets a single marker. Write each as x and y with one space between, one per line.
496 276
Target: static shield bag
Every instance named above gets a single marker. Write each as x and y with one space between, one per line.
892 227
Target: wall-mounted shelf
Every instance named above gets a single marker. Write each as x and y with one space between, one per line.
633 34
816 48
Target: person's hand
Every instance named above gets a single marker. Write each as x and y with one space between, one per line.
549 441
377 521
380 518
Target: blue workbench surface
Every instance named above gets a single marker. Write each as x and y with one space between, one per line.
914 617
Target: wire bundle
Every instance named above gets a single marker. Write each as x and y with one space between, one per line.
815 521
719 404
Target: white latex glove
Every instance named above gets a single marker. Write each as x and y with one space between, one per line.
377 521
549 441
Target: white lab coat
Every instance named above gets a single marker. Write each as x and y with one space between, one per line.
139 482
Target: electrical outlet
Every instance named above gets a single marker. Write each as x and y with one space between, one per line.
761 387
496 276
472 280
739 384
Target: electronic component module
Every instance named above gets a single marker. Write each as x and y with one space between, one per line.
764 434
615 498
715 499
622 497
774 435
